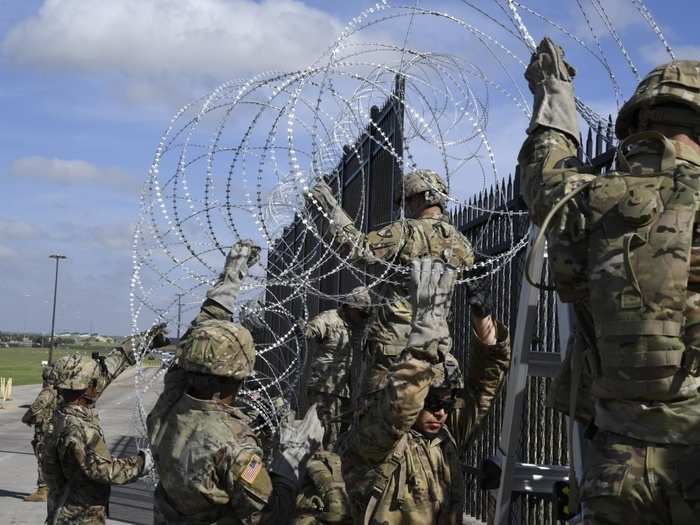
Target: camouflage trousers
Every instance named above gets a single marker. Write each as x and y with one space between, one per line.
38 444
334 413
81 515
638 483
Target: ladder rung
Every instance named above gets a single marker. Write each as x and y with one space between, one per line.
543 364
538 479
527 478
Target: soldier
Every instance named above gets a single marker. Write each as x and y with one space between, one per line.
624 251
77 464
210 462
39 415
403 459
427 232
330 337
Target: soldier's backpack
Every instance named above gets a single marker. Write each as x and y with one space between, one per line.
638 243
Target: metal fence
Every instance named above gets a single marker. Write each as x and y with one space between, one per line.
367 180
493 221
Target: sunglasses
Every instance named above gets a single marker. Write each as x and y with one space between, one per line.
435 404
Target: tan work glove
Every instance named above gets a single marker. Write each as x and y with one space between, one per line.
298 440
431 286
322 195
550 77
242 256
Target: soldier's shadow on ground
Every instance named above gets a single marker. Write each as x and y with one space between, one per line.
13 494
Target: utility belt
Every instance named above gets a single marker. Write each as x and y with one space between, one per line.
687 358
613 357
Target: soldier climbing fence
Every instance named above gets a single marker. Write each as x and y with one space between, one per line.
494 221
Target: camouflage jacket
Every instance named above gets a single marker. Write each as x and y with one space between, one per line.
398 244
210 466
394 474
115 363
79 468
329 336
549 173
40 413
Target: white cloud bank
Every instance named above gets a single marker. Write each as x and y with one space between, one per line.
18 230
656 54
150 38
71 172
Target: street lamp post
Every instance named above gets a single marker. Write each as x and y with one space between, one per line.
53 314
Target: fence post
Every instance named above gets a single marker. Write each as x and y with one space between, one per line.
2 392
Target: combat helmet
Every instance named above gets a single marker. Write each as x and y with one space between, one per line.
447 374
219 348
428 183
675 83
359 299
75 372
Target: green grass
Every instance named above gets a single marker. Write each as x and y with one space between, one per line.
23 365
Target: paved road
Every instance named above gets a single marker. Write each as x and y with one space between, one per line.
129 503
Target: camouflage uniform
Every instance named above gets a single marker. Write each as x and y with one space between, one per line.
210 465
330 338
629 301
210 462
399 243
40 414
80 469
396 475
77 464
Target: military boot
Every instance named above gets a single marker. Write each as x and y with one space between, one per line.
40 494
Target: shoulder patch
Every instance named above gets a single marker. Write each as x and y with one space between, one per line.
251 471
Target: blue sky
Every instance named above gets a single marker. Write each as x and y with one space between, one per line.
88 88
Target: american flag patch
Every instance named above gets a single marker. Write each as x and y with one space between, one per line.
252 470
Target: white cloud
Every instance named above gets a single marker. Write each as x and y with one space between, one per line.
656 53
7 253
111 236
212 38
18 230
71 172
